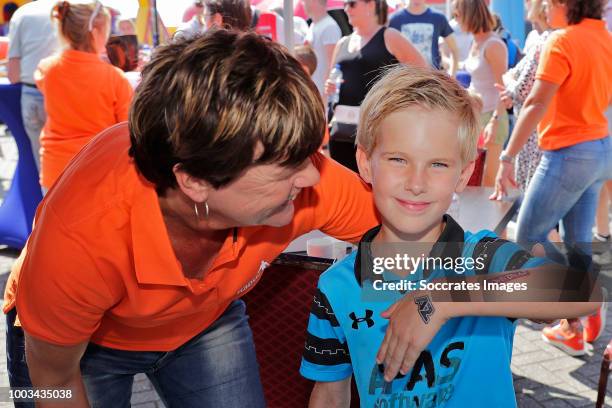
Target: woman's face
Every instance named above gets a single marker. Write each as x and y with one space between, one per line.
263 195
212 19
556 14
359 11
458 17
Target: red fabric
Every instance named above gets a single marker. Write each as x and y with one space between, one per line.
476 178
278 310
266 26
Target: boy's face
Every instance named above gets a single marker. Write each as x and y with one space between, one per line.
414 170
416 3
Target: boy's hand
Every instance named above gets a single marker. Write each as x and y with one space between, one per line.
413 322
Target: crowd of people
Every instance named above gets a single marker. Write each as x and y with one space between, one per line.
165 203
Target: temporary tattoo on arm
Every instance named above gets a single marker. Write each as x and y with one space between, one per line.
510 276
425 307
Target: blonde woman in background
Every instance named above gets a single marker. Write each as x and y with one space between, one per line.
83 94
486 63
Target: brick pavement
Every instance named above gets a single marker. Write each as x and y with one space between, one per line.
543 375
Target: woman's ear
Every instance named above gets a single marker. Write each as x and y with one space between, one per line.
363 164
194 188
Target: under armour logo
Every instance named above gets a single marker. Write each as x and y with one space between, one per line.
367 319
425 307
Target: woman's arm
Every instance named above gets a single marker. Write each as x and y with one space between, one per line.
334 394
14 70
533 112
496 55
56 367
402 49
451 43
330 87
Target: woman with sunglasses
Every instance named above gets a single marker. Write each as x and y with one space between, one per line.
83 94
362 57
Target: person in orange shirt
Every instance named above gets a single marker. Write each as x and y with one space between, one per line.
568 101
141 251
83 94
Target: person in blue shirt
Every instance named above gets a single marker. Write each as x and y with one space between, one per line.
424 27
415 333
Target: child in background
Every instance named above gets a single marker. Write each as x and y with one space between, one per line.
307 57
83 94
417 140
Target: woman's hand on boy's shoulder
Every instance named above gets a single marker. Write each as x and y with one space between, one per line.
414 320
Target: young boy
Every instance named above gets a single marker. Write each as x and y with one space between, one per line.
417 140
424 27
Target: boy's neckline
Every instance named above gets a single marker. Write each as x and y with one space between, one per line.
449 244
381 238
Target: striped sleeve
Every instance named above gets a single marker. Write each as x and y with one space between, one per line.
326 355
501 255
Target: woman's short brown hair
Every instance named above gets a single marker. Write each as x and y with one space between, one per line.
475 15
236 14
578 10
209 104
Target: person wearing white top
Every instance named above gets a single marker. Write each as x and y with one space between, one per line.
463 40
322 36
32 37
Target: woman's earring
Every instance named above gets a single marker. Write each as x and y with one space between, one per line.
197 213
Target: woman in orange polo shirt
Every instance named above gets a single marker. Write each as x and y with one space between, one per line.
143 248
83 94
568 101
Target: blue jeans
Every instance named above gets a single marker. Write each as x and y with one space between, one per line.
15 357
565 188
34 117
216 368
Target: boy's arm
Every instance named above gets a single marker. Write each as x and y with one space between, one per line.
334 394
553 291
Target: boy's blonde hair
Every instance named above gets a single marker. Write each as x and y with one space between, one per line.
403 87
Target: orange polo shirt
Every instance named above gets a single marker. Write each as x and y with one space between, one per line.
99 265
578 58
83 96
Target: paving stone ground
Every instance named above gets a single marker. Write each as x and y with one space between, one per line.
543 375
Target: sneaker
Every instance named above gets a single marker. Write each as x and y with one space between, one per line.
565 338
595 324
603 259
601 243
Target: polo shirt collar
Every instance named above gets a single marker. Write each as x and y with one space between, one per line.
154 258
80 56
593 22
448 245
